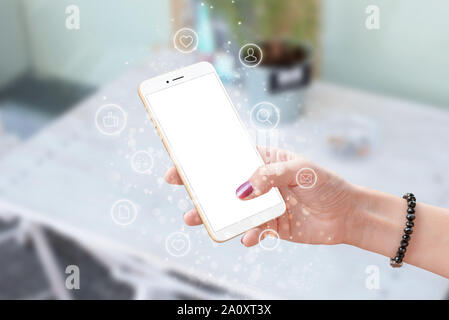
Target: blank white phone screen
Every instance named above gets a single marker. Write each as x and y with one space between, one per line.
212 148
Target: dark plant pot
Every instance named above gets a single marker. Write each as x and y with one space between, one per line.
282 78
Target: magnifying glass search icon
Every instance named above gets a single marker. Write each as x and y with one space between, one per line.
263 116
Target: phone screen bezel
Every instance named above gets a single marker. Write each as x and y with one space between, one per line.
178 77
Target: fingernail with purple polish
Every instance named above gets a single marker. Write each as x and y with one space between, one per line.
244 190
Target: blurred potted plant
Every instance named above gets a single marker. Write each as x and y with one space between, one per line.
286 31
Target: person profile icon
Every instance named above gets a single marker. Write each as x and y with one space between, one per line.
250 57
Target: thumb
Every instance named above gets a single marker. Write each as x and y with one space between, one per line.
291 173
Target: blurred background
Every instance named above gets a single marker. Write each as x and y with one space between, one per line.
361 87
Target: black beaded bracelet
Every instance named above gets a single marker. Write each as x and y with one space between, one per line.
396 262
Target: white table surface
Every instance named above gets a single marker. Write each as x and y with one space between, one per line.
69 175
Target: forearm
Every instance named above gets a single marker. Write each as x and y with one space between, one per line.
379 223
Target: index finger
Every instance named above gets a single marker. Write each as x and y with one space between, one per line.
172 176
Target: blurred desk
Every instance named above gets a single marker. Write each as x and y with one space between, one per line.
68 176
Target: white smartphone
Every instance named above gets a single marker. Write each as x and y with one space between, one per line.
210 148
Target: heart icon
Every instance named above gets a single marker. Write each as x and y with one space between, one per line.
178 244
186 41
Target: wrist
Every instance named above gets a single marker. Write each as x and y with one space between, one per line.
356 218
377 222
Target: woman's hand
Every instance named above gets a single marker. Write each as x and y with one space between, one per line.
334 211
322 214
